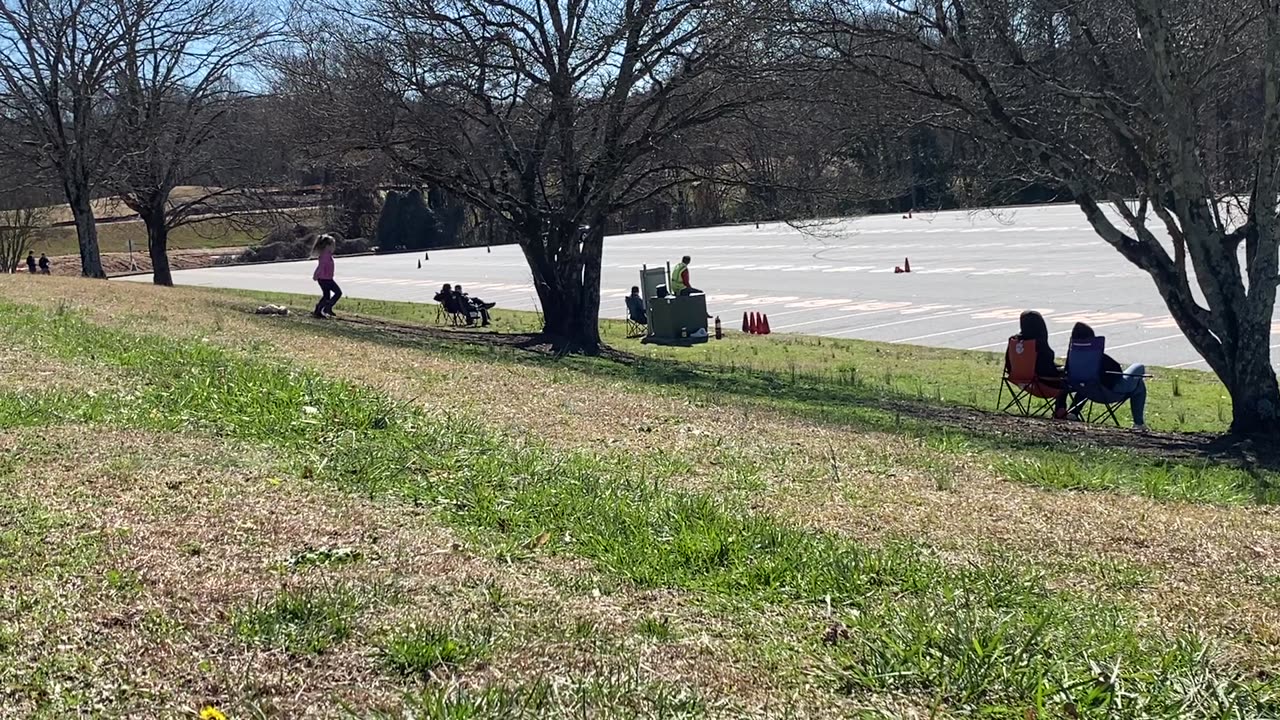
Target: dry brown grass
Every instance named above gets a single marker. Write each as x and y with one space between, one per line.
1202 566
159 539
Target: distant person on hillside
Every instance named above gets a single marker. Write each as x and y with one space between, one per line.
635 307
1032 326
679 283
474 306
1128 382
31 263
44 264
330 292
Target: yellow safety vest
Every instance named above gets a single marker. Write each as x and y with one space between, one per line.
677 279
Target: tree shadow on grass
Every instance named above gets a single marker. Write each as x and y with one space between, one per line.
847 402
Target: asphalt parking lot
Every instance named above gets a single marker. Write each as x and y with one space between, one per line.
972 274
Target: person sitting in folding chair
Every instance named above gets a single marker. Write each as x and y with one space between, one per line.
449 303
637 318
1097 378
475 308
1031 372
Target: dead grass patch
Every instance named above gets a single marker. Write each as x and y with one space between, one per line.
1208 567
187 532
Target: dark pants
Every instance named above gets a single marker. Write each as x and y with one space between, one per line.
478 307
330 297
689 291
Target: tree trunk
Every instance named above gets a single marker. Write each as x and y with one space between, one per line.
1255 395
158 247
86 231
566 274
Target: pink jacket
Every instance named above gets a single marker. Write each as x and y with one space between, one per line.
324 269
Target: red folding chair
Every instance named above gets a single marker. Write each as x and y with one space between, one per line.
1029 394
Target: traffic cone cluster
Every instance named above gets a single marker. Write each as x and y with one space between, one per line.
755 323
906 266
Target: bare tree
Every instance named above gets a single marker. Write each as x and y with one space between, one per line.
1122 102
57 58
17 229
549 115
173 87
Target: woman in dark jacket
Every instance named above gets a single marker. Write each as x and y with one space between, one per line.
1033 327
1051 378
1122 382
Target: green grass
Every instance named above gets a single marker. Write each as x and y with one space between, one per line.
423 648
599 695
656 628
985 638
1178 400
864 402
299 622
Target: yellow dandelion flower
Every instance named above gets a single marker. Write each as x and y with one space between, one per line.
212 713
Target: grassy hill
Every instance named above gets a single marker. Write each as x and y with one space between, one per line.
375 517
118 225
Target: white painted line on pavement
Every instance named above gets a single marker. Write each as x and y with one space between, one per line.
1145 342
939 316
952 331
1060 333
867 309
767 300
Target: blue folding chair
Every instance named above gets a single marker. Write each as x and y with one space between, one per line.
1090 398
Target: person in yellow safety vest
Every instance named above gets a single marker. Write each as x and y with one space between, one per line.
679 284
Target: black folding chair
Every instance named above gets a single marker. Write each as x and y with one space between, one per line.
444 314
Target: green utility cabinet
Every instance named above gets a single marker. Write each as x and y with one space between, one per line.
678 318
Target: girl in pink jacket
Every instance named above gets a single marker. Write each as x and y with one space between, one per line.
330 292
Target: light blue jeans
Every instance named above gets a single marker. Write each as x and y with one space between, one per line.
1133 385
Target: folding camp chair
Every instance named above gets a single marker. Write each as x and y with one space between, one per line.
635 329
1029 395
1090 398
444 314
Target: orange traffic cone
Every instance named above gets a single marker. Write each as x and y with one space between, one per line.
764 325
746 324
906 265
897 269
419 264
